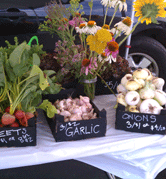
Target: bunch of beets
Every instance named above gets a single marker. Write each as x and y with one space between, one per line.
19 118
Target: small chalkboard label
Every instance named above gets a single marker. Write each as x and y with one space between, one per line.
101 88
18 136
67 131
140 122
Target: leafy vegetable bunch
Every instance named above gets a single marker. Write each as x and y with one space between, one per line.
22 82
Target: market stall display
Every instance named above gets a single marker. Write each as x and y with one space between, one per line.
77 117
21 87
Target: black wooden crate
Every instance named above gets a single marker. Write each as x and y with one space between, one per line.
75 130
102 89
19 136
140 122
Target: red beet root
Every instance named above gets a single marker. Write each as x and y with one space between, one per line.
8 119
19 114
7 109
29 115
24 121
15 124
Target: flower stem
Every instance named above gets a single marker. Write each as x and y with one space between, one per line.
105 83
118 35
133 28
105 15
113 15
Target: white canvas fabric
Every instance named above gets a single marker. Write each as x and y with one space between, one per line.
128 155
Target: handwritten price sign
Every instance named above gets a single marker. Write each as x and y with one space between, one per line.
18 137
138 122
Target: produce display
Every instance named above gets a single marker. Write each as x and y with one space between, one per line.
19 118
141 92
22 83
75 109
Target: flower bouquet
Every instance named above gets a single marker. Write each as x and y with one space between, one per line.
86 58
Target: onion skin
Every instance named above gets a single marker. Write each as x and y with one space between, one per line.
132 98
150 106
141 74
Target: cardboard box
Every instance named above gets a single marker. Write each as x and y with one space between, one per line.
140 122
19 136
75 130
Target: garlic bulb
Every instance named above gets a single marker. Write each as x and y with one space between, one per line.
147 92
132 98
140 74
65 113
75 117
133 109
75 109
158 82
125 79
121 99
121 89
160 97
132 85
150 106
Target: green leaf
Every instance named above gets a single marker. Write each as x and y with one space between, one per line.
31 101
51 111
154 20
29 90
2 75
15 56
43 82
48 108
9 72
49 72
20 69
36 59
54 88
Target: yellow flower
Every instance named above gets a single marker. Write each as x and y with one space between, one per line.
103 35
98 42
91 41
100 47
149 10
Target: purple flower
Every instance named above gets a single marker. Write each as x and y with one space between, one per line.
87 65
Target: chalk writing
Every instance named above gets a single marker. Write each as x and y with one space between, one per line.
73 128
21 135
111 85
138 118
139 125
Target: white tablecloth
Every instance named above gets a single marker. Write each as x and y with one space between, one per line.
125 154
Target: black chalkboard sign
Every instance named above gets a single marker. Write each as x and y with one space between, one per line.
75 130
19 136
101 88
140 122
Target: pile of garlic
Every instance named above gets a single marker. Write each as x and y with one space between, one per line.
142 92
75 109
